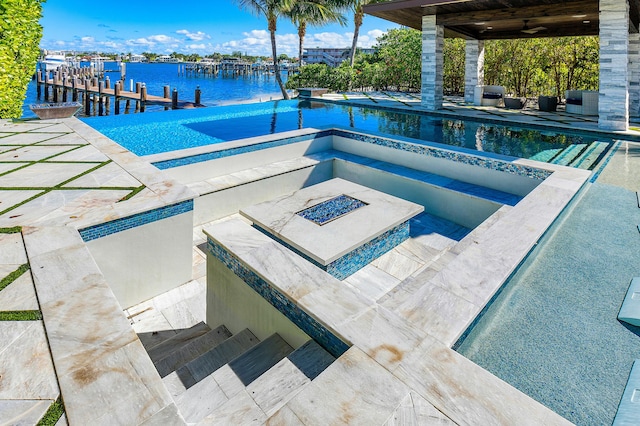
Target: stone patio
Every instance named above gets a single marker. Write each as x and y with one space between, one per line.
58 175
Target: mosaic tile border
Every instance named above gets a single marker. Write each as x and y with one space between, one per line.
177 162
325 338
358 258
459 157
103 229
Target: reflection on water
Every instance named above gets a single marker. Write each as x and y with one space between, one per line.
151 133
468 134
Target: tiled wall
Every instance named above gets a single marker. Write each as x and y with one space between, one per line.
129 222
357 259
306 323
448 154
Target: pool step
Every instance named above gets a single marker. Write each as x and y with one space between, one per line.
568 154
589 156
546 155
191 350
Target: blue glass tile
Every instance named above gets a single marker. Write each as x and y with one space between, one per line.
358 258
331 209
133 221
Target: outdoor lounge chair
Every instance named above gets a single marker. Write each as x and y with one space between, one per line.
583 102
488 95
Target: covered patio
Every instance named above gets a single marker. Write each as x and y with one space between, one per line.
616 22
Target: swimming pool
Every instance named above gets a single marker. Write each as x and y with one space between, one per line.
553 331
152 133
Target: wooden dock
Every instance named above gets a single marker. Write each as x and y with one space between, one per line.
230 69
82 85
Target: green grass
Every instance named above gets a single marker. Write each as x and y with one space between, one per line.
13 276
20 315
132 193
13 230
53 414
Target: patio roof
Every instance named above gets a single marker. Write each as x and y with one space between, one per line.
502 19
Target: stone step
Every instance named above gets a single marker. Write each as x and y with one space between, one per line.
191 350
277 386
178 340
254 362
208 362
269 392
311 359
590 155
569 154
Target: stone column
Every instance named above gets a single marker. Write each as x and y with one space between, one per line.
432 63
613 102
473 67
634 75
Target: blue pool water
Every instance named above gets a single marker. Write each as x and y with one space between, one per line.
152 133
553 332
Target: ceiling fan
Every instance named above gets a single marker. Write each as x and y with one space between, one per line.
525 29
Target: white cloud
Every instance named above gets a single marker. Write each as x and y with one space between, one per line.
200 46
255 42
161 38
197 36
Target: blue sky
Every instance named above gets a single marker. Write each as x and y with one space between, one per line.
164 26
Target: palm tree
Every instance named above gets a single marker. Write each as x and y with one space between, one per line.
314 12
271 9
358 16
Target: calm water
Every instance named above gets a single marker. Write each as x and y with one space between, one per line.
215 90
151 133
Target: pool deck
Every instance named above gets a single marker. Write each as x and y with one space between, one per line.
57 176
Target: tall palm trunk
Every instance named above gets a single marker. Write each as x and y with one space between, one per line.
357 20
302 31
276 68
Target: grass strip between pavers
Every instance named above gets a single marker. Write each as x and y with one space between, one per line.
58 186
132 193
20 315
13 276
12 230
53 414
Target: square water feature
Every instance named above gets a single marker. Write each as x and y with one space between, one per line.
338 225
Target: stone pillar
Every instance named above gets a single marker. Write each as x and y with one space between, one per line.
613 102
473 67
634 75
432 63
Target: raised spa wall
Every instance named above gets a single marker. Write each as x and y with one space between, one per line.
237 174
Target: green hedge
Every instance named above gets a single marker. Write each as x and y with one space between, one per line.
20 34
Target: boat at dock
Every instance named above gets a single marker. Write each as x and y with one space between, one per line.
51 61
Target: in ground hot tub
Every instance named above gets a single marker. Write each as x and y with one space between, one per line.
338 225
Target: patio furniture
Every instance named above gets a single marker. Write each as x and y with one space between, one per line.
515 103
547 103
488 95
583 102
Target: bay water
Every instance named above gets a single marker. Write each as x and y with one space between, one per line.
221 90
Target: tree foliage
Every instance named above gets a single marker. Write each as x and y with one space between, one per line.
20 34
525 67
